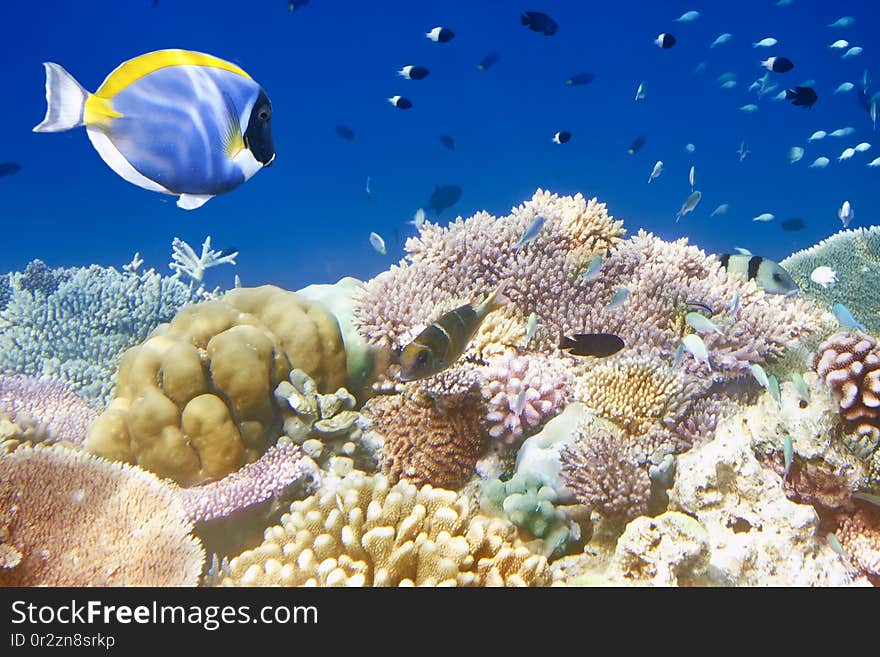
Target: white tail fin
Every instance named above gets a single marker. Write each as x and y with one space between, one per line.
65 101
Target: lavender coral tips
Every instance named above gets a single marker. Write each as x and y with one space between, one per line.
522 393
850 364
49 409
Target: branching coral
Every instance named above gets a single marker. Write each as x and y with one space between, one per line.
859 534
605 473
850 364
523 392
44 409
77 325
195 401
426 442
855 256
77 520
364 532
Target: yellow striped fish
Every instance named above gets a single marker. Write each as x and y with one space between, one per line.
441 344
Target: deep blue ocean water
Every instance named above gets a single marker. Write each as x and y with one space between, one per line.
308 218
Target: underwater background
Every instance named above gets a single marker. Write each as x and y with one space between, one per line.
330 62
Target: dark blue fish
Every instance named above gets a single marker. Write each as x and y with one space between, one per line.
665 40
444 197
345 132
600 345
579 79
793 224
802 96
9 168
489 61
697 305
448 141
293 5
537 21
637 144
228 251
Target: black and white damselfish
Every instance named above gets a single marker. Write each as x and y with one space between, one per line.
766 273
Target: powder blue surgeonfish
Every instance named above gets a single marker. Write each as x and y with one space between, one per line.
171 121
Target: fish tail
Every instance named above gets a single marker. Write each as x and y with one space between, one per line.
495 300
65 101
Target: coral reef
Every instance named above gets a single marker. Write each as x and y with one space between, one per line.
43 409
365 532
850 364
855 256
523 392
195 400
426 442
607 474
73 324
859 534
71 519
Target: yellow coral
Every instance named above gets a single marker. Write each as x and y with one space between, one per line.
590 229
364 532
633 392
502 329
194 401
71 519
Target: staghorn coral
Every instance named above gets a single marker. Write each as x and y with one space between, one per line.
44 409
365 532
542 385
195 400
275 471
444 264
77 520
855 256
606 473
75 328
850 364
425 441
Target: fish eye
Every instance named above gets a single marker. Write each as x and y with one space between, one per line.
423 357
264 114
777 277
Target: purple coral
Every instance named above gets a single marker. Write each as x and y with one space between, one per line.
49 407
279 468
523 392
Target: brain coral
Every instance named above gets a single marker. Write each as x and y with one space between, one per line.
855 256
425 442
195 400
71 519
850 364
73 324
364 532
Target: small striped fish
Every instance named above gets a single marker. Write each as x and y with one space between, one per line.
766 273
441 344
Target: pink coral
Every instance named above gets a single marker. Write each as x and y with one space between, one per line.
850 364
523 392
276 470
45 406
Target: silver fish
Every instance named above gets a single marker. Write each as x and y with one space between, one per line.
697 348
773 388
734 305
721 209
846 319
676 360
593 269
619 298
689 205
531 232
656 171
834 544
531 328
377 242
801 386
692 176
520 403
760 375
701 323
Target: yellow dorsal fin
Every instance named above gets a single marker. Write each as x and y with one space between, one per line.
133 70
98 112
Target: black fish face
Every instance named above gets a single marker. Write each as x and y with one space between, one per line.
258 136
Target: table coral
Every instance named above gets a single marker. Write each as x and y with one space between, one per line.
850 364
195 400
365 532
75 327
78 520
426 442
44 409
855 256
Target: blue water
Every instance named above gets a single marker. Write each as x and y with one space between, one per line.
308 218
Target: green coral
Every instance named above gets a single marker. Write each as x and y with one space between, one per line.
855 256
529 504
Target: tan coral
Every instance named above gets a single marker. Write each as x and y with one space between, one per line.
71 519
859 534
502 329
364 532
194 402
590 229
850 364
633 392
425 442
